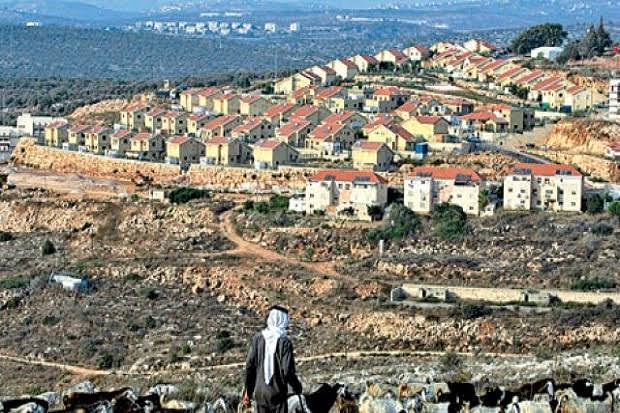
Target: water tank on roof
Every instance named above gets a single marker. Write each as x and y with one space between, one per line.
421 148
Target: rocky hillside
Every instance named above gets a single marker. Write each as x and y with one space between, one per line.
583 136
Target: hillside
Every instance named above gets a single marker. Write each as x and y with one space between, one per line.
583 136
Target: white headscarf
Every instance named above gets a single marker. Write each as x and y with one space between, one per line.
277 323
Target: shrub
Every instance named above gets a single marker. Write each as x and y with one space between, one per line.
401 222
6 237
593 284
471 311
224 344
48 248
184 195
149 293
186 349
278 202
595 204
614 209
10 283
375 212
602 228
451 361
449 221
349 212
248 205
106 361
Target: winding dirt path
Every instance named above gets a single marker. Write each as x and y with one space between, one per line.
76 370
244 247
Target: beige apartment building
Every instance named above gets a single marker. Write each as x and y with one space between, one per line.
77 136
334 190
429 186
120 142
221 126
224 150
57 133
174 123
153 119
147 147
133 116
294 132
544 187
97 139
374 156
271 153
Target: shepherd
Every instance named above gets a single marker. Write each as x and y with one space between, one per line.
270 366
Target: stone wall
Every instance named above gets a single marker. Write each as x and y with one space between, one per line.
285 179
509 295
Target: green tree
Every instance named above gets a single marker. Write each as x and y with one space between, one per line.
401 222
547 34
595 204
614 209
449 221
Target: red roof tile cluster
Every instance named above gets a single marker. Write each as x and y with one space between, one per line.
369 59
144 136
345 175
292 127
300 93
250 98
208 92
219 122
341 117
248 125
389 91
59 123
445 173
401 132
79 128
548 84
510 73
134 107
279 109
326 131
98 129
368 145
268 143
221 140
408 107
197 117
528 77
179 140
156 112
348 63
122 133
305 111
484 116
329 92
544 169
428 120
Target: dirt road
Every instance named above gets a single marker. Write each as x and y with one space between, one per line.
244 247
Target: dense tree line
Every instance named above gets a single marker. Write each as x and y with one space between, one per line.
548 34
594 43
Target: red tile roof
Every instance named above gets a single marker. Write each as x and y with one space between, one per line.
389 91
122 133
305 111
79 128
428 120
325 131
575 89
401 132
179 140
134 107
368 146
544 169
219 122
156 112
484 116
197 117
368 59
173 115
346 175
279 109
300 93
268 143
445 173
511 73
547 83
98 129
382 119
227 96
328 70
341 117
208 92
292 127
221 140
409 106
528 77
57 124
329 92
349 64
493 65
250 98
248 125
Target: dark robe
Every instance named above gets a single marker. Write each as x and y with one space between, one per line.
271 397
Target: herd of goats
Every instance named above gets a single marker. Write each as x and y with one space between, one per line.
543 396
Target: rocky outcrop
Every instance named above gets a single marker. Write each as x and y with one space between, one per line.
583 136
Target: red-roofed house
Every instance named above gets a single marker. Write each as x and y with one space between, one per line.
428 186
479 46
153 119
303 96
386 99
407 110
77 136
294 132
350 118
394 136
491 70
57 133
121 142
206 96
253 129
417 53
578 98
147 146
484 121
280 113
253 105
509 76
224 150
330 139
344 68
313 114
325 73
322 96
221 126
431 128
392 56
174 123
337 191
546 187
271 153
197 121
132 115
183 150
227 104
97 139
365 63
374 156
529 79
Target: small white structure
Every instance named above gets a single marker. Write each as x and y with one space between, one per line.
297 204
294 27
70 283
271 27
549 53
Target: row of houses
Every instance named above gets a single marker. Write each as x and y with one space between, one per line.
549 90
526 187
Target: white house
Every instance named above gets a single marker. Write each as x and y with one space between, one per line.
549 53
